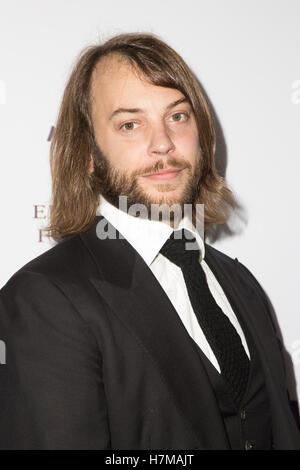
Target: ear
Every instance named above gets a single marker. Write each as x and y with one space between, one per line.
91 165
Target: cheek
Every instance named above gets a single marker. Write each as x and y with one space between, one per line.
122 154
189 146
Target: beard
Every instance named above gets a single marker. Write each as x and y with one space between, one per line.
114 183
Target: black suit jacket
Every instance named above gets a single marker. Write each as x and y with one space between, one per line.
98 358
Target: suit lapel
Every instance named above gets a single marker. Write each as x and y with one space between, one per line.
250 309
136 298
249 305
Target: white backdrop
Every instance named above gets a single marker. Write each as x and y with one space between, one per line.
246 55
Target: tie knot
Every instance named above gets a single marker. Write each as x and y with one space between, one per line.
181 248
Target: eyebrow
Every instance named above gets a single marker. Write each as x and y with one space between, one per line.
139 110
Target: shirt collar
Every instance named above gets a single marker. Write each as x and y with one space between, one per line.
146 236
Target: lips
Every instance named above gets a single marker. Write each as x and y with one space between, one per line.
168 170
169 173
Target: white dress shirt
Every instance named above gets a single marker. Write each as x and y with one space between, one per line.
147 237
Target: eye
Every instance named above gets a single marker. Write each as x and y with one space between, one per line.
178 117
128 126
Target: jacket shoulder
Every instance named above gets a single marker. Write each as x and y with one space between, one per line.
241 274
235 266
220 256
217 252
65 260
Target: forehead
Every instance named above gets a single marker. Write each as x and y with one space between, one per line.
115 82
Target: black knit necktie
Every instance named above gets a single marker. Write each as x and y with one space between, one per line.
217 328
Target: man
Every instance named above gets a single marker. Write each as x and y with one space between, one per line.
134 333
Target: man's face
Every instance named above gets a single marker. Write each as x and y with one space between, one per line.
147 138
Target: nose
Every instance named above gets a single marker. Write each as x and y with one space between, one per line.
160 141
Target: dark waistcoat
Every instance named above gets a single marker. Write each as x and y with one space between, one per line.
247 426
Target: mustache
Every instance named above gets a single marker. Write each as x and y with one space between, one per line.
162 165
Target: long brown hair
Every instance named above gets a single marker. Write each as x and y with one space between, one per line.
75 191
